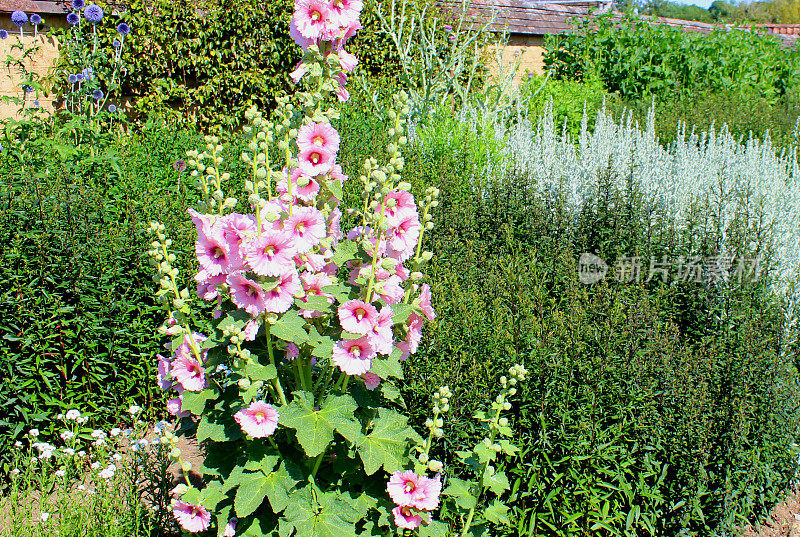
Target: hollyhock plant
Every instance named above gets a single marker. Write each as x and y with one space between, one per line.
313 303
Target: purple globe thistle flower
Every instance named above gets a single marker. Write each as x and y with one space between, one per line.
36 104
36 19
97 94
3 34
27 89
123 28
179 165
93 13
116 43
1 148
19 18
88 73
80 77
448 27
112 108
78 4
72 79
73 18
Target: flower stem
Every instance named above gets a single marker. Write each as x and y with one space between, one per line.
275 382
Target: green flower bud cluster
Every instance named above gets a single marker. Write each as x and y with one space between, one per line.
517 373
168 294
236 337
208 178
262 137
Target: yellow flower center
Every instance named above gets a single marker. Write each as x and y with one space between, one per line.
316 15
319 140
260 416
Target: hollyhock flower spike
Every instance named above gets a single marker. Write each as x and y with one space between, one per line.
358 317
321 135
311 17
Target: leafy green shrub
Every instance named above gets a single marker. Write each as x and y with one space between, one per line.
635 59
214 63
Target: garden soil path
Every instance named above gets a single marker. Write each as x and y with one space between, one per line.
783 521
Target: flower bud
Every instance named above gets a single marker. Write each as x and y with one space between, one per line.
423 458
180 489
175 453
186 466
506 406
503 422
512 391
435 466
244 383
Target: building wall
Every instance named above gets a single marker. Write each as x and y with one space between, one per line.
526 52
42 63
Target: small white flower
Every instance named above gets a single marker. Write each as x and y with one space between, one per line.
81 488
69 451
44 517
143 442
34 432
46 454
133 410
95 465
108 473
115 431
34 458
97 433
60 473
81 454
15 471
99 442
67 435
18 444
73 414
82 419
60 416
117 457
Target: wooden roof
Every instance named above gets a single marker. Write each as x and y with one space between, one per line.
34 6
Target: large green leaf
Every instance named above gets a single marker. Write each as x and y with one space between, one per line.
497 482
498 513
316 514
290 327
385 445
255 486
315 427
462 492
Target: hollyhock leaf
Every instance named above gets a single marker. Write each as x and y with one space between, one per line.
314 303
274 485
387 366
261 372
497 512
401 312
336 189
385 446
498 482
461 492
290 327
435 529
350 335
339 291
212 495
315 427
484 453
195 402
324 348
344 252
392 393
508 447
210 428
470 459
317 514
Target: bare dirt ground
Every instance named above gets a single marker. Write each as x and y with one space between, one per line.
783 521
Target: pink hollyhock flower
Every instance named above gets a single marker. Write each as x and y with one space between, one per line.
353 356
312 262
259 420
381 335
342 95
351 29
308 192
365 232
320 135
404 205
164 380
230 527
311 17
371 380
204 223
424 302
174 407
294 33
391 291
192 518
207 284
292 352
281 296
409 489
405 518
403 237
357 317
305 227
335 226
347 60
247 294
345 12
189 373
212 253
314 160
236 227
299 71
270 254
251 329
